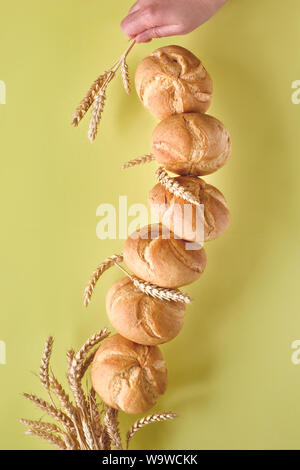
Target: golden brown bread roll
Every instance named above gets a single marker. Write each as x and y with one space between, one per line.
128 376
172 80
182 218
191 144
140 317
166 262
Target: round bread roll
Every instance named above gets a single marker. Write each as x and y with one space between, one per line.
172 80
187 220
158 257
128 376
140 317
191 144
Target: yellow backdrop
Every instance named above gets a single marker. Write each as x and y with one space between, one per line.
232 379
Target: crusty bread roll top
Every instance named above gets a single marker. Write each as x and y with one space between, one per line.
140 317
172 80
155 255
128 376
191 144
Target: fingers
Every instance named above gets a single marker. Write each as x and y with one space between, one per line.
135 7
140 20
158 32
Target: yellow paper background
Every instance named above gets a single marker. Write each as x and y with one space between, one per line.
231 378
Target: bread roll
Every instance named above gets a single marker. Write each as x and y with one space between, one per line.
191 144
172 80
140 317
128 376
187 220
166 262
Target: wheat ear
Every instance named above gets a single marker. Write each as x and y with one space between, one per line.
75 371
161 293
106 264
51 438
97 94
61 417
174 187
102 437
44 368
41 426
74 376
154 418
125 76
96 114
88 100
149 157
112 427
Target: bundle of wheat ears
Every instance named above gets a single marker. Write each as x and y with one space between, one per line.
96 95
82 423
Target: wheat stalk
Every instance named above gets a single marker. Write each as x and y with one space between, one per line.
97 94
41 426
74 377
154 418
106 264
44 368
86 364
88 100
49 428
99 431
43 405
125 76
112 427
51 438
63 397
96 114
174 187
78 359
149 157
161 293
70 356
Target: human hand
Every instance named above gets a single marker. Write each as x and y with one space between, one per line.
148 19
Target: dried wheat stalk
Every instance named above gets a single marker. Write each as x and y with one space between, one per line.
41 426
174 187
106 264
112 427
96 114
97 94
149 157
101 435
161 293
70 356
74 377
125 76
88 100
44 368
56 413
63 397
154 418
80 425
51 438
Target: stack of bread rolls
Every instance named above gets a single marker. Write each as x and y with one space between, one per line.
128 371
